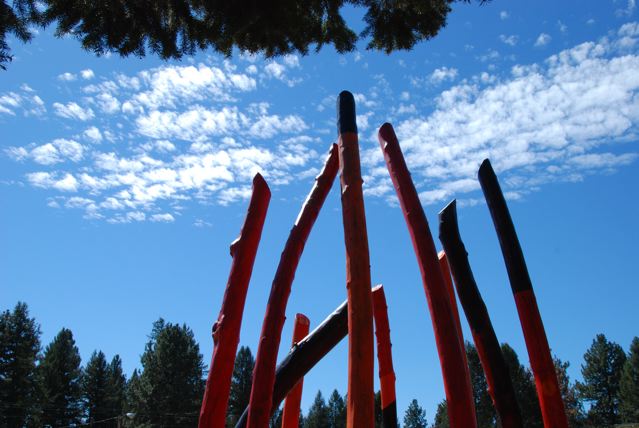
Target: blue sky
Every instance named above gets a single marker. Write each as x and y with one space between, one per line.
123 181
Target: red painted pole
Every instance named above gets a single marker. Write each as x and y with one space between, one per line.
500 385
291 412
445 268
266 358
384 358
360 401
552 406
226 330
459 394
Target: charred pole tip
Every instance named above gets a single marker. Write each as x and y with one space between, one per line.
461 408
500 385
550 401
360 402
275 315
305 355
291 412
226 330
384 358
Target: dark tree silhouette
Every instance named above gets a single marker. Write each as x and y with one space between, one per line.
172 29
629 385
60 376
415 416
240 385
19 348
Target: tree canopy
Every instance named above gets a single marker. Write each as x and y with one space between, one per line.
172 29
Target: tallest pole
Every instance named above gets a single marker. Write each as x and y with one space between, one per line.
550 401
360 401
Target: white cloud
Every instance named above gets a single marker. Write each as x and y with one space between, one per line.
93 134
59 150
547 123
67 77
163 218
443 74
509 40
504 15
543 39
87 74
73 111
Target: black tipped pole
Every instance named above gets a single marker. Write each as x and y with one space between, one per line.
550 401
500 385
346 113
305 355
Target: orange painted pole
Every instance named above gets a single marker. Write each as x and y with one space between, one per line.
226 330
266 359
550 401
291 412
384 358
360 402
500 385
459 394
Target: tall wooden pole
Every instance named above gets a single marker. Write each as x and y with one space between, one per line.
266 359
459 395
552 406
291 412
384 358
500 385
360 401
306 355
226 330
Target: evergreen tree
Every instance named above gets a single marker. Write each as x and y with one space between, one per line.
601 371
524 386
116 389
276 419
336 411
318 415
415 416
60 377
94 389
441 416
241 383
569 394
629 385
19 348
484 409
168 391
174 29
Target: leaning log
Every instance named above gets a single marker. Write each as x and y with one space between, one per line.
269 343
226 330
360 401
384 358
500 385
291 412
305 355
461 408
552 406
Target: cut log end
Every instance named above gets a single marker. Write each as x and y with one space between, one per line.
346 113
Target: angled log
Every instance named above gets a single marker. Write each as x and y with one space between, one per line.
291 412
226 329
384 358
500 385
445 268
305 355
552 406
360 401
266 358
461 408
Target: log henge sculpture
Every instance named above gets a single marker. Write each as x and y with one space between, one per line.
355 316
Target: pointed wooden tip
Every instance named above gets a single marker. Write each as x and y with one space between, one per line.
378 288
302 319
386 132
260 184
486 169
448 217
346 113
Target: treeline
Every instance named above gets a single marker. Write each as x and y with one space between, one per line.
50 387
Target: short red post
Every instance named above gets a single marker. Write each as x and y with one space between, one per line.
360 402
550 401
459 394
226 330
266 359
384 358
291 412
